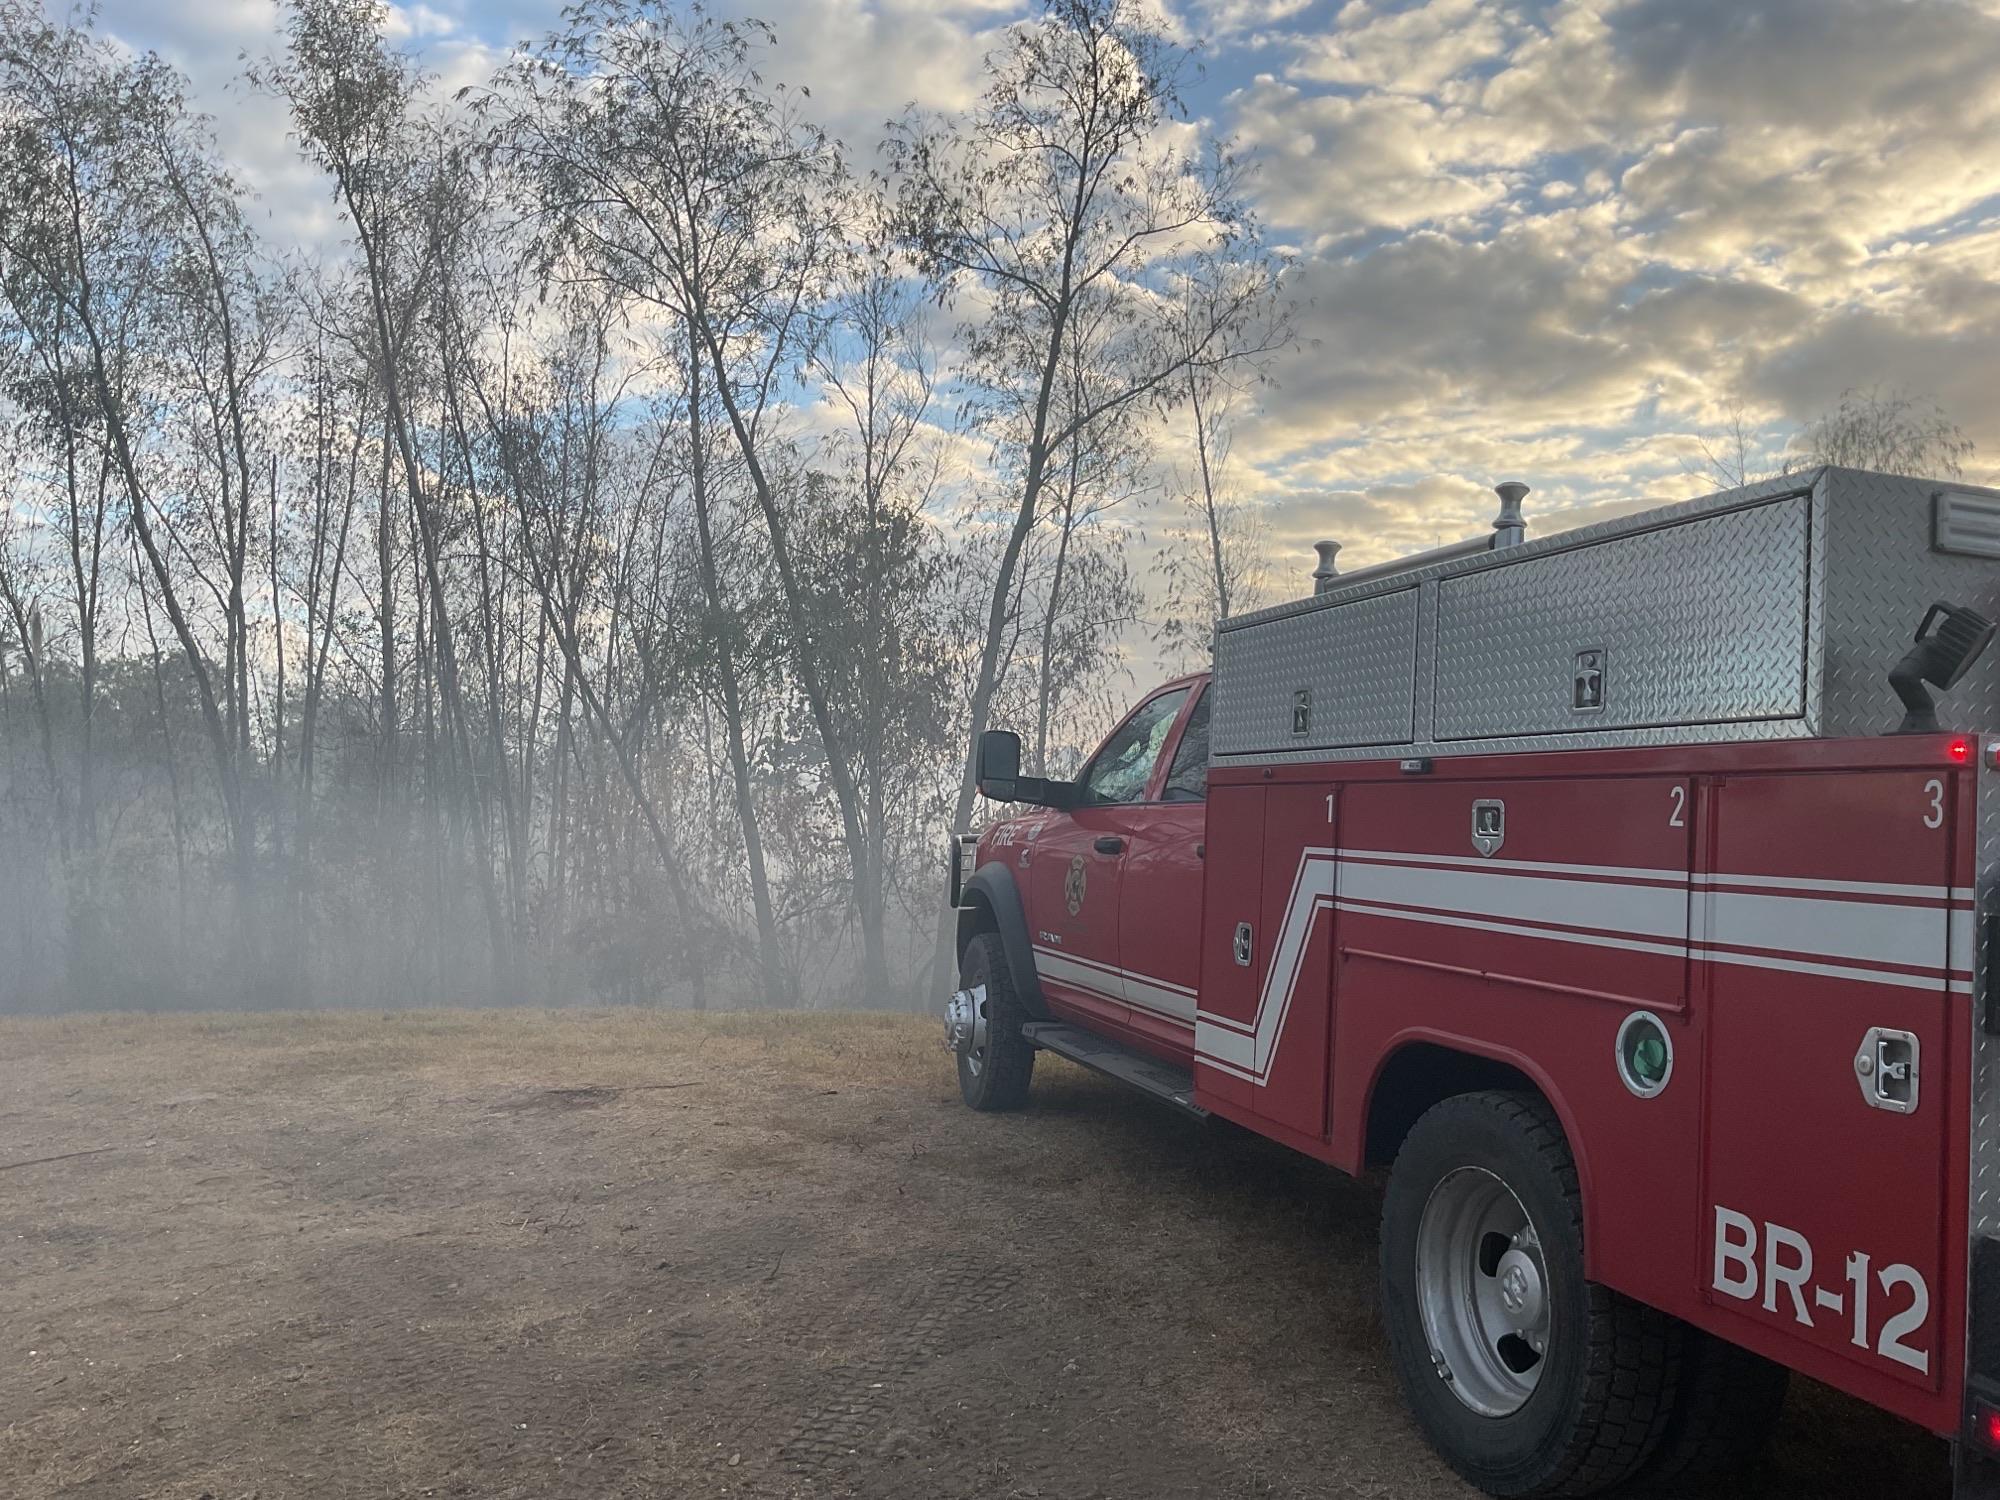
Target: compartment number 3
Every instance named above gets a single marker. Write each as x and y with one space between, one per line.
1934 803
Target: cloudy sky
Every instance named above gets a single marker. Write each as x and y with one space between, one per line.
1553 242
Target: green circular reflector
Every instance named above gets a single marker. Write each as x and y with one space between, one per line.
1645 1054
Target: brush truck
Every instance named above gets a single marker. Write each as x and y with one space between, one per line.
1621 894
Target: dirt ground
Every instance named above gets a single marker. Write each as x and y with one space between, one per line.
625 1254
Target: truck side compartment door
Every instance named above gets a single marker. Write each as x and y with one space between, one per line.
1823 924
1232 908
1267 970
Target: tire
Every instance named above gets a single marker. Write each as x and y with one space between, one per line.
996 1076
1562 1386
1729 1401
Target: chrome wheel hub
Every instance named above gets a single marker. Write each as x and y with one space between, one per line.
965 1026
1482 1287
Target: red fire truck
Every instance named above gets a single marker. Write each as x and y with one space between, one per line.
1621 894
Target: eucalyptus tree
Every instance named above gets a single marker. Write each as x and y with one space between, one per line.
666 170
875 567
354 104
1891 430
1211 563
1085 589
406 188
133 288
329 448
1070 182
589 503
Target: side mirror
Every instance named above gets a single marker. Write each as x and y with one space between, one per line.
997 768
999 764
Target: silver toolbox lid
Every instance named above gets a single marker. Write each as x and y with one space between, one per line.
1769 612
1703 622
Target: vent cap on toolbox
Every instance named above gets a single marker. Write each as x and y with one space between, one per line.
1966 524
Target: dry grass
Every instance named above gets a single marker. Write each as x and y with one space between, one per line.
611 1253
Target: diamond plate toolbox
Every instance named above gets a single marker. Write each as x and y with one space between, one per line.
1769 612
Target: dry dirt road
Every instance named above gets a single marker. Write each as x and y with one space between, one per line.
625 1254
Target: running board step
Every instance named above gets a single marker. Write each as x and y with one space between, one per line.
1161 1080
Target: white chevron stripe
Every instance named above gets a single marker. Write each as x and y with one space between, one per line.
1811 924
1250 1052
1141 991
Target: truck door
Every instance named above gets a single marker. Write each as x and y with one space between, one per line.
1159 907
1822 922
1078 865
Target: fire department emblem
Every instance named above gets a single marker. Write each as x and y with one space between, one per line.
1073 884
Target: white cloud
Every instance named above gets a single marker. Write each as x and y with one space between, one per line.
1334 163
1558 242
1416 50
1552 241
865 60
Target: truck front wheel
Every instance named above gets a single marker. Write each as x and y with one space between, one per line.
1529 1379
995 1062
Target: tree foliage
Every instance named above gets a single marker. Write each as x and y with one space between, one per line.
583 578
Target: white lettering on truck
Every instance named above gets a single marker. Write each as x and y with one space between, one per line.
1750 1256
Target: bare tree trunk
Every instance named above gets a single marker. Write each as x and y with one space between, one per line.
324 576
28 631
85 558
278 713
1052 612
1208 510
770 965
987 682
385 607
173 770
839 770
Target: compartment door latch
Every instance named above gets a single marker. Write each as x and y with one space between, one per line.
1886 1067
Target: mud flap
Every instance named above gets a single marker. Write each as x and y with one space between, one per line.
1975 1476
1976 1454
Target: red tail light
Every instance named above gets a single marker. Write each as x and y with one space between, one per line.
1986 1427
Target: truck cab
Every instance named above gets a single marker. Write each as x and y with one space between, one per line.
1109 872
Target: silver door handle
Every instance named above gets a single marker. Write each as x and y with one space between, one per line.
1887 1068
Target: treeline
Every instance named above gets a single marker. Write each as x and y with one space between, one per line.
584 579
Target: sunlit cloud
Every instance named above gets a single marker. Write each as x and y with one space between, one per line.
1563 242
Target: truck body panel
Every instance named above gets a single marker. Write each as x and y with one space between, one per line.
1612 894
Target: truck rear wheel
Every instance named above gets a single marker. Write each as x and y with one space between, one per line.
1529 1379
1728 1402
995 1062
